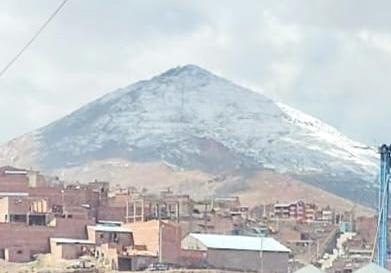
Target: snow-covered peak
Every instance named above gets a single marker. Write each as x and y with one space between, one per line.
339 144
191 118
187 70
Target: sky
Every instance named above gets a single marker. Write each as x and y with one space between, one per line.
330 59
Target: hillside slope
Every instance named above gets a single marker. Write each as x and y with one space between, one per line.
192 119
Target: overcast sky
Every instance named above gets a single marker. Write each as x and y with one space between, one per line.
331 58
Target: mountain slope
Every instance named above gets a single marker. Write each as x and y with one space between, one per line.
193 119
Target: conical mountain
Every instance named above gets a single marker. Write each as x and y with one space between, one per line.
190 118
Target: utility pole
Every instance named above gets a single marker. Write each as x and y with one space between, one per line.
127 211
160 241
63 201
261 254
206 218
384 176
317 249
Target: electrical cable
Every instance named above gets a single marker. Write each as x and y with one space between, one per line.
35 36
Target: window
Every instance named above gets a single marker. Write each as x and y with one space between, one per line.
19 251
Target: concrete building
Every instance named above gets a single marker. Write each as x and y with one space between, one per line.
237 252
166 206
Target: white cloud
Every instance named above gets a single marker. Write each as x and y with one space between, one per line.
329 58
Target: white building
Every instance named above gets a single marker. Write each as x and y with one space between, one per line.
242 253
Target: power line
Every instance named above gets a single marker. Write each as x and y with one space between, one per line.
35 36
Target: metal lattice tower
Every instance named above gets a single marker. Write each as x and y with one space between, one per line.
384 194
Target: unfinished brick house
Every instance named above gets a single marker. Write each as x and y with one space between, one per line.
132 206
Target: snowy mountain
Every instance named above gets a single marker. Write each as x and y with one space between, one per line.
193 119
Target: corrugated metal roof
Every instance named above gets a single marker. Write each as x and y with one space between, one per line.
71 241
309 269
218 241
104 228
372 268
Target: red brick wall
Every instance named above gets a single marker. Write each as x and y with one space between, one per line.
18 254
147 233
36 238
14 183
193 258
18 205
51 194
70 197
111 213
72 228
171 243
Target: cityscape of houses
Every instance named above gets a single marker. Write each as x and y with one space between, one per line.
129 229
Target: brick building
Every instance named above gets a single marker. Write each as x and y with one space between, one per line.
299 211
160 238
